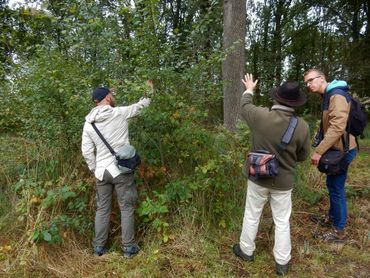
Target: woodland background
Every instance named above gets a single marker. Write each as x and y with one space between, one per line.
54 53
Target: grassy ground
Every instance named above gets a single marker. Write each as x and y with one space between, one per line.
195 250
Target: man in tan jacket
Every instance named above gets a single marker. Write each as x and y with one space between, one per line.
334 121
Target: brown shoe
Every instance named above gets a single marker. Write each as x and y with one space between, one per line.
334 236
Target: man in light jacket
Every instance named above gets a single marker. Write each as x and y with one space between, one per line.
268 126
334 118
112 122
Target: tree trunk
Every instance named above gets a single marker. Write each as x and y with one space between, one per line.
276 46
233 65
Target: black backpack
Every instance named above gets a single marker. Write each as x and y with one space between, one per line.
357 117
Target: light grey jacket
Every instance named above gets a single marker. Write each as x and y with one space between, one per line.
113 124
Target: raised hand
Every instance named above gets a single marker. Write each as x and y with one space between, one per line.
248 82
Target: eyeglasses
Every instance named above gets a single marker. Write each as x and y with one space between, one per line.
309 81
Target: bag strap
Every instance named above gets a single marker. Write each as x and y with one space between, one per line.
103 139
288 135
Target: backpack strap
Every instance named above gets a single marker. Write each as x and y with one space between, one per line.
343 91
103 139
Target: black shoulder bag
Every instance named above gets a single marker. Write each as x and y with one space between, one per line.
262 163
127 158
333 161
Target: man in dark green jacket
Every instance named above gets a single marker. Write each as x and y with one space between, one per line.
268 126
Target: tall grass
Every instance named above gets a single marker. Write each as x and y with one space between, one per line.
186 223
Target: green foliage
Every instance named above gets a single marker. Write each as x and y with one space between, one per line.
54 100
5 203
82 49
154 211
48 233
9 119
50 208
188 165
352 192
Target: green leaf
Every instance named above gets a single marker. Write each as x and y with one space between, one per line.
46 235
35 235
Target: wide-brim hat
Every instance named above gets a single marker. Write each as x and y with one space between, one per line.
288 94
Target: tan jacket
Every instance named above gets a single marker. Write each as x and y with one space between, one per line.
334 125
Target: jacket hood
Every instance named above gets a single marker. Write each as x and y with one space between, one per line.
337 84
99 114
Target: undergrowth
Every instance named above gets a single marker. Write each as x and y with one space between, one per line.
186 224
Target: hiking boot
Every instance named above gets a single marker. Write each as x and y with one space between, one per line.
239 253
334 236
282 269
323 220
130 251
99 251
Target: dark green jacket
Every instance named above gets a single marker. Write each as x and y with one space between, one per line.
267 127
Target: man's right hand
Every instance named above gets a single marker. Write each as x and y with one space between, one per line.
315 158
144 102
248 82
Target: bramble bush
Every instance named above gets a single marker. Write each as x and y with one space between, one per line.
187 165
51 208
52 190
